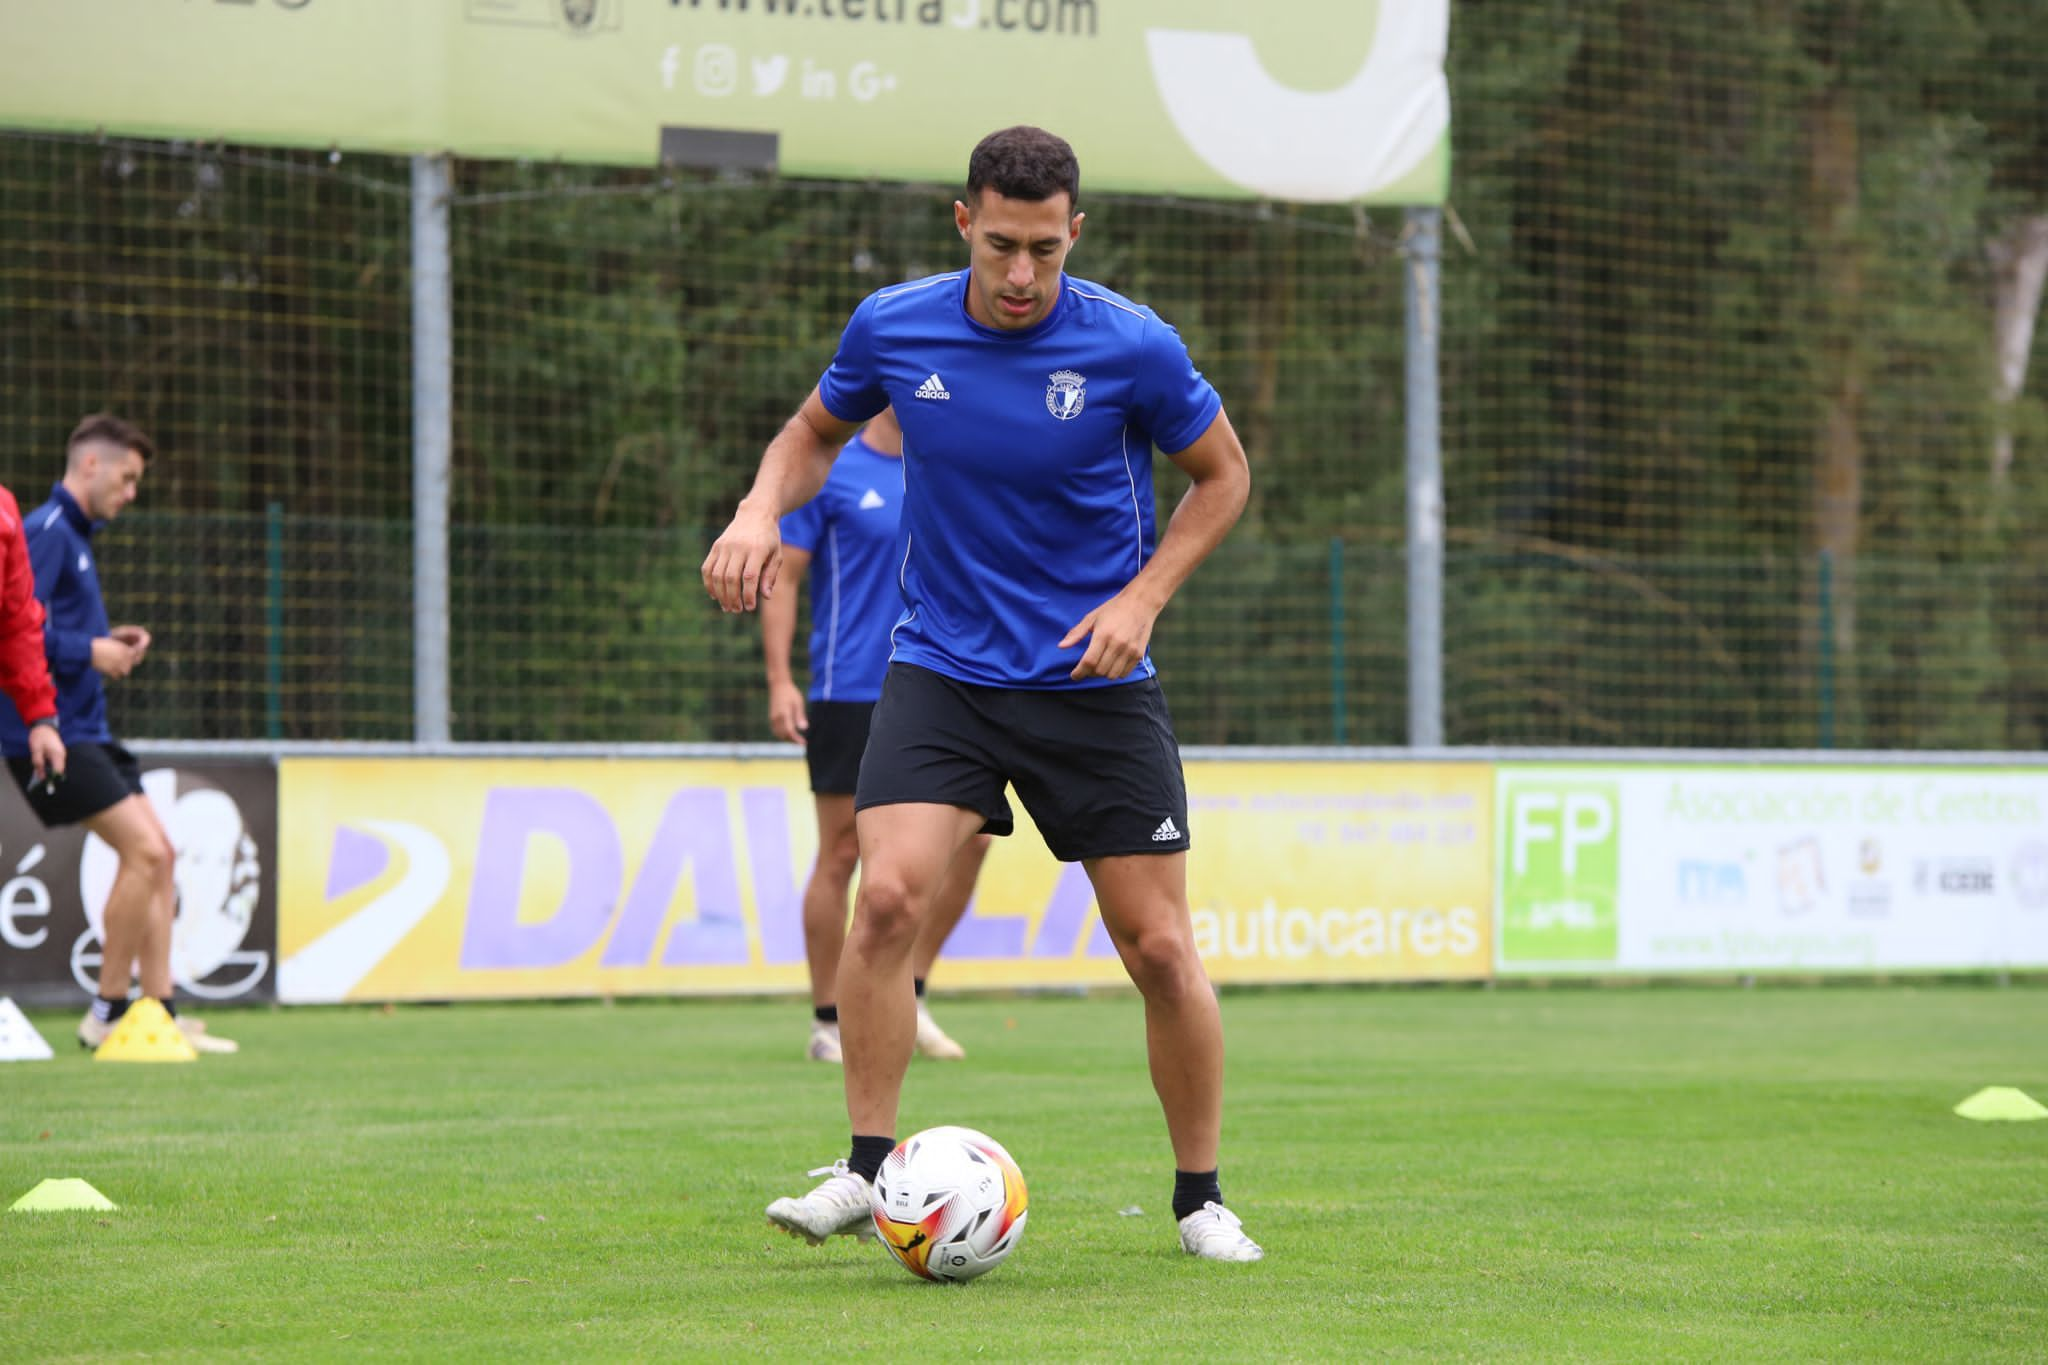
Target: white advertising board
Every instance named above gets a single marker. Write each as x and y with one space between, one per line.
1680 868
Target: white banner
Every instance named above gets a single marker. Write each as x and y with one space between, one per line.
1614 868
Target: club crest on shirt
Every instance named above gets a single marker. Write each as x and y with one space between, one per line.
1066 394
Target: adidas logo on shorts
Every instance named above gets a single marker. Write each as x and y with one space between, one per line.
1166 833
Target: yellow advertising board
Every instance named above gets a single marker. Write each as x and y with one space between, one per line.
406 879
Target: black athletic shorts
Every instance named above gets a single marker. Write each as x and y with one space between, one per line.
1097 767
96 776
833 744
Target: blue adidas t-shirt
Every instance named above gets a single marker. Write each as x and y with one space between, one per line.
1027 462
849 529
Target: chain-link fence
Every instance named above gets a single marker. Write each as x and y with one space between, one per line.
1736 447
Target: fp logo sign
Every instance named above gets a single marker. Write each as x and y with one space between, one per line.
1561 869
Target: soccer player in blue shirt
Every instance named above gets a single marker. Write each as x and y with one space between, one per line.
847 534
1032 573
102 783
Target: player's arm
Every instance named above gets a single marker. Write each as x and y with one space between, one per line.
786 715
70 652
1119 630
744 562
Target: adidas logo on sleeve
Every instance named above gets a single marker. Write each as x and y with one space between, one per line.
933 388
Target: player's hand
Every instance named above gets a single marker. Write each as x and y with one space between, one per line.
113 658
1117 633
744 563
46 752
135 637
786 712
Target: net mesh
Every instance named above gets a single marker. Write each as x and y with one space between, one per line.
1742 445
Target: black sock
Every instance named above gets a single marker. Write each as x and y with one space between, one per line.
1192 1189
868 1154
109 1011
918 982
169 1008
826 1014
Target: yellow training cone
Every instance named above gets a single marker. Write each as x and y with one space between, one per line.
2001 1102
59 1196
146 1034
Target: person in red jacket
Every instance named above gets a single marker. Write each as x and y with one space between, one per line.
24 668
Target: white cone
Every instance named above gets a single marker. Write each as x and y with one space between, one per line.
19 1041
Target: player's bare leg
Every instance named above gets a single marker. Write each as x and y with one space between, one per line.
154 955
156 946
905 851
825 913
904 854
954 895
144 869
1145 909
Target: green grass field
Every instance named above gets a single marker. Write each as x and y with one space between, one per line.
1618 1174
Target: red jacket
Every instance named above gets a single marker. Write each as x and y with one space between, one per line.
24 669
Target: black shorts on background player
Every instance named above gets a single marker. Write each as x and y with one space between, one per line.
833 744
1097 767
96 777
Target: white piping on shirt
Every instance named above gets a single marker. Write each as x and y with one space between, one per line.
1131 478
832 618
916 285
1099 298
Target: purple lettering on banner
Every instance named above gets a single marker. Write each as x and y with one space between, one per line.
1060 927
493 936
693 832
979 935
356 861
778 904
1098 940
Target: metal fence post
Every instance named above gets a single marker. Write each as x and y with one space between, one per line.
273 621
1826 664
1424 237
433 415
1338 707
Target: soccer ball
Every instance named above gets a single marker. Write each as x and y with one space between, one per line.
949 1203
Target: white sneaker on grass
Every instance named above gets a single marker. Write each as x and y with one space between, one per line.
837 1208
196 1033
93 1031
932 1040
1216 1234
824 1043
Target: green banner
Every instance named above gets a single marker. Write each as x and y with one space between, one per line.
1560 869
1322 100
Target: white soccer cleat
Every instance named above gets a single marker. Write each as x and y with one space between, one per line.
92 1032
824 1043
196 1033
932 1040
838 1208
1216 1234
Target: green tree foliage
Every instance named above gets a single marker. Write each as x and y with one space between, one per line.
1719 422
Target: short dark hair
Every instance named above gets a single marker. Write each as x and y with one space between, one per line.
104 426
1024 163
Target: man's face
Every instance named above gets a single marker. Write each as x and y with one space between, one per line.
1017 248
112 477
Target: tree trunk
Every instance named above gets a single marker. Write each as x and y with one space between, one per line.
2019 267
1838 457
